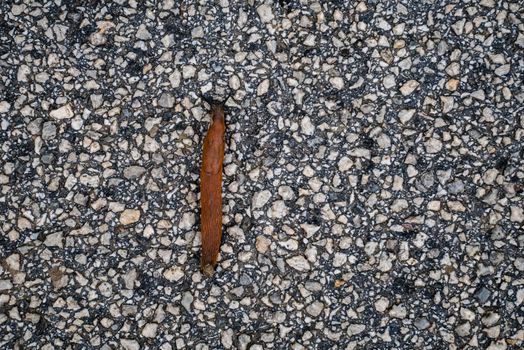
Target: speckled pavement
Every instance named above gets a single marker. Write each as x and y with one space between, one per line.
373 190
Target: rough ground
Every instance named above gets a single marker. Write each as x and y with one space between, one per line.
373 181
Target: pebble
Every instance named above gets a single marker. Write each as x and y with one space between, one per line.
54 240
48 131
265 12
260 199
130 344
187 221
315 308
134 171
433 145
4 106
517 214
355 329
263 87
306 126
64 112
337 82
408 87
278 210
150 330
129 216
299 263
405 115
166 100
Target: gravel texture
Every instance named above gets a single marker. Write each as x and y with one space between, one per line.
373 190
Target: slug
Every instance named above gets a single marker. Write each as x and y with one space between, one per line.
211 190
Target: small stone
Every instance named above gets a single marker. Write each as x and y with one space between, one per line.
260 199
77 123
498 345
520 40
23 73
399 205
487 3
490 176
315 308
150 144
188 72
310 40
64 112
23 223
5 285
197 32
452 84
339 259
360 152
134 171
90 180
517 214
381 304
307 127
456 187
97 39
4 106
519 264
17 10
433 145
265 12
448 103
166 100
456 206
479 95
174 273
453 69
149 330
458 26
48 131
408 87
344 164
337 82
58 278
398 311
355 329
389 81
187 300
278 210
490 319
263 87
286 192
422 323
129 216
405 115
463 329
54 240
96 100
129 344
13 262
299 263
226 338
483 295
234 82
142 33
503 70
187 221
309 229
262 244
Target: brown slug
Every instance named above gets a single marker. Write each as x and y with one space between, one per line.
211 190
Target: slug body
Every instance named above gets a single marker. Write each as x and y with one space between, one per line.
211 190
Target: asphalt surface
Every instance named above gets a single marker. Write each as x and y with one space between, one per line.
373 181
